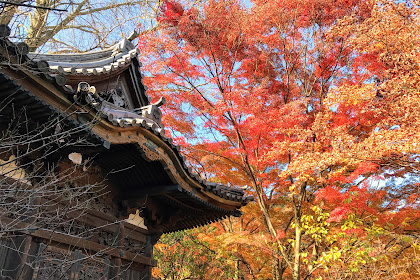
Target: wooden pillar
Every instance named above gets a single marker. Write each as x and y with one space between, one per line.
21 271
116 271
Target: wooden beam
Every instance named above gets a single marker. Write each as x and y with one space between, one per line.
81 243
91 246
137 192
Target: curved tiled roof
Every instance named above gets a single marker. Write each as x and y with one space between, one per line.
90 63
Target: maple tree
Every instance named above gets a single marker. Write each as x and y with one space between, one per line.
313 107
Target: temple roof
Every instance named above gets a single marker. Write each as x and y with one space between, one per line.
90 63
132 139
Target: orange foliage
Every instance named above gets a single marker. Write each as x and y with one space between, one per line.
313 106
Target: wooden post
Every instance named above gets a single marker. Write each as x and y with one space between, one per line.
28 240
116 271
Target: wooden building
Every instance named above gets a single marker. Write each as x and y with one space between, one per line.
87 136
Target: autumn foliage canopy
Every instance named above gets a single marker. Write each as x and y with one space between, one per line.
313 107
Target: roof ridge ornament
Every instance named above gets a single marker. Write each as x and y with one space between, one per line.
160 102
149 115
133 35
124 46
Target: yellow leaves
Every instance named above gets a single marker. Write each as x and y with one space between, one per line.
352 222
416 245
334 254
375 230
315 224
359 257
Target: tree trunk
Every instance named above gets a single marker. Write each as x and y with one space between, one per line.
237 272
275 267
296 262
298 232
8 12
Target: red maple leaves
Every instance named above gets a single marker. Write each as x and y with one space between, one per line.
304 102
170 12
